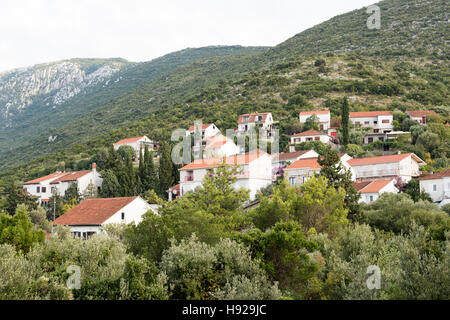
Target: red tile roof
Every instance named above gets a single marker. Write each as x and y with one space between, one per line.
216 141
306 113
291 155
361 185
381 159
232 160
420 113
71 176
309 133
375 186
174 188
48 177
252 117
93 211
439 175
128 140
365 114
305 163
204 127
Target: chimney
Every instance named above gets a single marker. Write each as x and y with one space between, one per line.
94 167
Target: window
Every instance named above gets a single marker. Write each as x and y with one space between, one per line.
44 189
366 122
38 189
434 187
317 138
357 122
385 121
370 140
292 180
123 215
375 122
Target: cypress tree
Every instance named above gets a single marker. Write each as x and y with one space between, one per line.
345 120
166 178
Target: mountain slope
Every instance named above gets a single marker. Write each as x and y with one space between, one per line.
52 95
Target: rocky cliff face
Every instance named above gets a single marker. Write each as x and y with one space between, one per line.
51 84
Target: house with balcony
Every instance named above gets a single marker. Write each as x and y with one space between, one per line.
307 136
88 217
255 171
256 123
371 190
282 160
208 130
420 115
381 136
137 144
217 146
322 115
378 121
406 166
437 185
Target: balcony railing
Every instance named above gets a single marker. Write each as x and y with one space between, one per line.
189 178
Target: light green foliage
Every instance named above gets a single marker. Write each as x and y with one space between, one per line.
39 218
354 150
196 270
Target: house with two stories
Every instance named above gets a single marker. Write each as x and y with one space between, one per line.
88 217
406 166
306 136
282 160
207 130
255 171
217 146
371 190
256 122
378 121
41 187
322 115
437 185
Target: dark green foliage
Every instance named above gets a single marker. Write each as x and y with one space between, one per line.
345 121
166 177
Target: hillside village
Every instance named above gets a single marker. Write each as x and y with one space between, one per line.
316 169
371 176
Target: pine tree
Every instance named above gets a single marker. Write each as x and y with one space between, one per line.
166 178
345 120
12 199
110 186
128 178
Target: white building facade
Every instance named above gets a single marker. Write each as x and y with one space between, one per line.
379 121
323 117
437 186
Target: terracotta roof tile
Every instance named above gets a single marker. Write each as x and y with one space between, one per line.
364 114
291 155
48 177
420 113
375 186
376 160
71 176
361 185
93 211
305 163
204 127
309 133
439 175
128 140
252 117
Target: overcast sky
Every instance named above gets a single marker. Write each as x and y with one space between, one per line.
37 31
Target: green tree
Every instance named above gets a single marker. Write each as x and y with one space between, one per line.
166 177
110 186
312 123
345 113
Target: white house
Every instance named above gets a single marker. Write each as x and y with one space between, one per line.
310 135
406 166
208 130
420 115
255 122
301 170
41 187
218 146
255 171
323 116
372 189
379 121
437 186
381 136
284 159
90 215
81 178
136 143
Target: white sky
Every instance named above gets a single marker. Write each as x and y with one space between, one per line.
37 31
